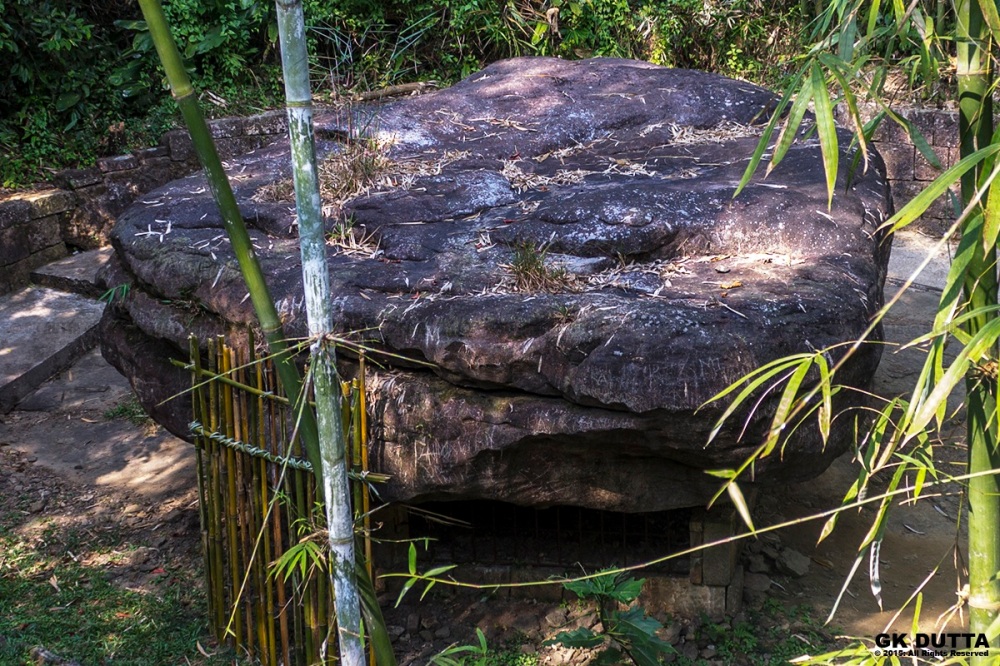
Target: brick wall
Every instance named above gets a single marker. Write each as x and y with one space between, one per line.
39 227
31 234
909 172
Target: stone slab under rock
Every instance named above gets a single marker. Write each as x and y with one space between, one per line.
42 332
556 247
76 273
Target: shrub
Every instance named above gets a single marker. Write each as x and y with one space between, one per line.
85 79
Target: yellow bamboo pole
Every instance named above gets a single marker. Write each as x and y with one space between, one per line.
232 519
216 525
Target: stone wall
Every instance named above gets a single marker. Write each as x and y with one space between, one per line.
909 172
31 234
42 226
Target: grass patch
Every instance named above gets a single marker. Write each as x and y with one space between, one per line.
771 636
63 599
480 654
129 410
529 272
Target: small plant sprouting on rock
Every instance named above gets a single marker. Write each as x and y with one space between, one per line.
355 169
464 655
118 293
530 272
353 240
565 314
277 192
625 629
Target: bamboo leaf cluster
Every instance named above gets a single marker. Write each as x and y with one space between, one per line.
845 65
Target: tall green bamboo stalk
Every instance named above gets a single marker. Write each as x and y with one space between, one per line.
316 281
267 314
975 79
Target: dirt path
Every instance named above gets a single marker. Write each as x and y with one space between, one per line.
64 425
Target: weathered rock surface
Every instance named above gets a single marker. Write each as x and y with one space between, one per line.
562 244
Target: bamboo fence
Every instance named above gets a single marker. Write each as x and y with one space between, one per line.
262 528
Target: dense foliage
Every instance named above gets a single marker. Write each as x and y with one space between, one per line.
84 78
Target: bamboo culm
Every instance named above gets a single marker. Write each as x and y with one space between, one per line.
975 84
316 281
267 314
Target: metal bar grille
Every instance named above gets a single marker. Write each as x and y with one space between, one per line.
502 534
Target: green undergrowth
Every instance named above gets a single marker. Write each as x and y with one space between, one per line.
85 80
129 410
52 598
770 636
481 654
625 633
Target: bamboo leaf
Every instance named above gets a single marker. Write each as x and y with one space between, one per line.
780 363
734 474
921 144
791 127
437 571
406 588
788 396
828 526
843 588
852 103
915 625
765 138
930 374
874 579
740 502
845 43
721 473
989 10
982 343
760 377
826 128
877 528
874 12
411 560
920 203
918 483
427 589
381 643
965 254
899 11
991 214
826 393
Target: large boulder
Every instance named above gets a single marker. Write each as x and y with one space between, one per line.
558 242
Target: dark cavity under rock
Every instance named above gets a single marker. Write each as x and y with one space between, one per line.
547 235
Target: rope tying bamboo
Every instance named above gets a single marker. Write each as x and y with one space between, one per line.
249 449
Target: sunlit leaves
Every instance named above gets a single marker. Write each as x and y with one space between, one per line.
786 375
920 203
765 139
796 402
429 577
826 128
624 632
